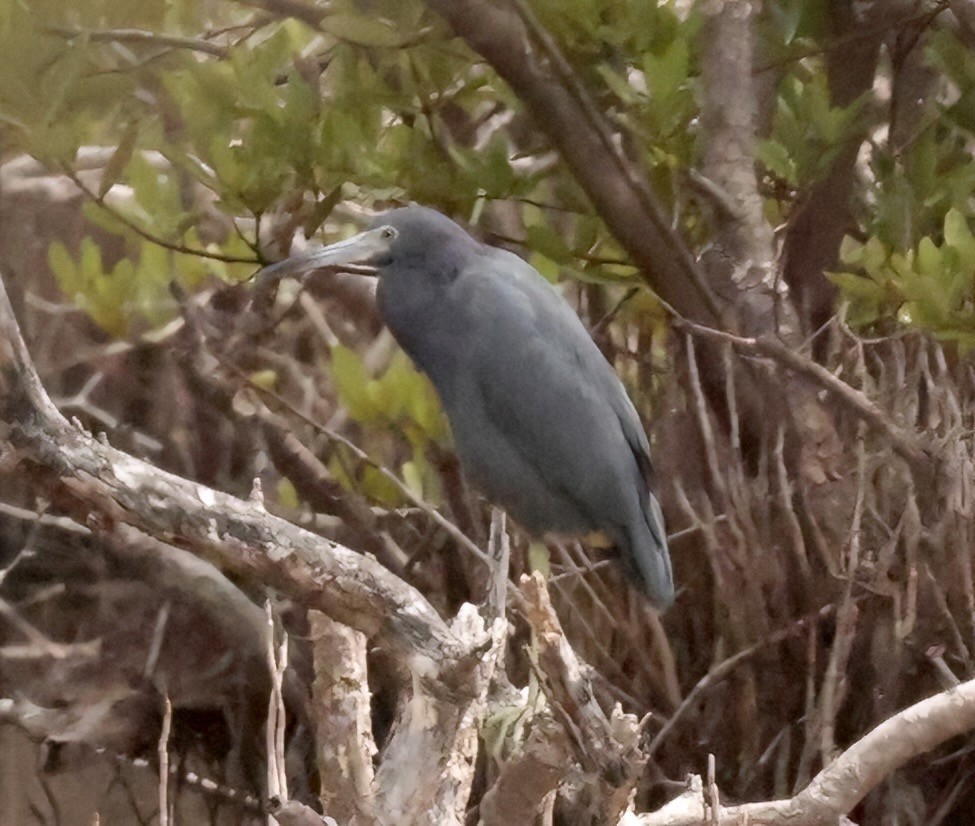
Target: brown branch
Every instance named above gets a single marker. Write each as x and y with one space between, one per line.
102 486
905 444
167 41
526 57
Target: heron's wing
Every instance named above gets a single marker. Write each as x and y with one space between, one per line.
544 384
543 421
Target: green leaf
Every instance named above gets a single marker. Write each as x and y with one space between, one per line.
545 240
957 233
64 269
539 558
413 478
265 379
351 382
856 286
120 158
361 30
929 258
618 85
777 160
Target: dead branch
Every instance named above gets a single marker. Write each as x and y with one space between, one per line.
447 732
904 443
344 743
103 486
162 749
846 781
277 661
606 747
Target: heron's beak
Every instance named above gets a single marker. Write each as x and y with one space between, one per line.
364 248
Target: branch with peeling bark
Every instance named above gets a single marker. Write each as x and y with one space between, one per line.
844 782
102 485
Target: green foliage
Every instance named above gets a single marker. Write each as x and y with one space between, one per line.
402 400
807 131
930 286
132 289
401 396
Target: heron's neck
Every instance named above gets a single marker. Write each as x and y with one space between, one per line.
414 307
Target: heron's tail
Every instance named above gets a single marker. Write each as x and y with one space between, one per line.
643 548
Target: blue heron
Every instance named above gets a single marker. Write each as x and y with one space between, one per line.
542 424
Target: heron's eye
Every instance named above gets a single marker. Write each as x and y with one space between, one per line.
389 233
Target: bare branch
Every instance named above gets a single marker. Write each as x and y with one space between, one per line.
847 780
103 486
166 41
905 444
344 743
277 661
606 747
162 749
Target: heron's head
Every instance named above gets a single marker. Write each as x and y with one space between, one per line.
416 237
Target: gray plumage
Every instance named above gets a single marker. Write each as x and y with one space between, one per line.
542 424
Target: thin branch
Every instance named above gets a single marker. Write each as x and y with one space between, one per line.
167 41
162 749
907 445
727 666
123 219
277 661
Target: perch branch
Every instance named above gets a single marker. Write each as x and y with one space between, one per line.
103 486
606 747
434 740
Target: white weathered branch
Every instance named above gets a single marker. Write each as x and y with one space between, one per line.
435 739
103 486
849 778
344 744
607 748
